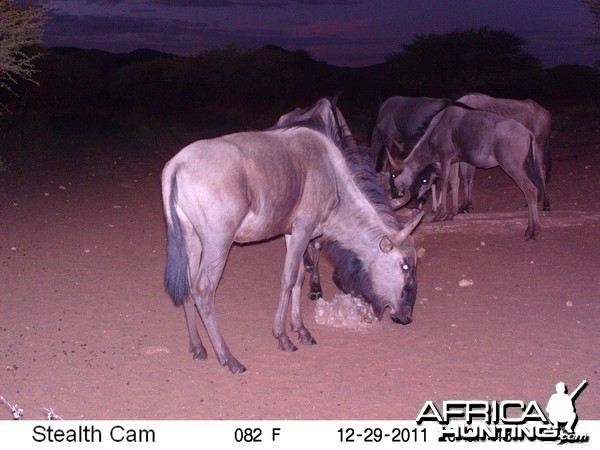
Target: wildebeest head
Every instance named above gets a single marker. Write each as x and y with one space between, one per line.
397 268
421 185
387 279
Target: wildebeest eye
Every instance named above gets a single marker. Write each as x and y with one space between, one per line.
405 267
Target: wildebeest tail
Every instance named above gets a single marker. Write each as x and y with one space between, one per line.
533 170
176 271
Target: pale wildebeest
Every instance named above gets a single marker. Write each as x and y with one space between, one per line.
400 123
481 139
291 181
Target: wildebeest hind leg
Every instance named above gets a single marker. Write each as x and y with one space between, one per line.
531 195
205 279
196 348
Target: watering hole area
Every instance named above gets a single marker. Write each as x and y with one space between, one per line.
88 331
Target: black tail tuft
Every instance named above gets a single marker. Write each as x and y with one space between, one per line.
176 271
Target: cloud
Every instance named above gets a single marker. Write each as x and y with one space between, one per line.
126 33
248 3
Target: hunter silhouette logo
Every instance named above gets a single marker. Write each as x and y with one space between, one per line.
561 406
507 420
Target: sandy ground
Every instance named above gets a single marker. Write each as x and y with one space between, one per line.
87 329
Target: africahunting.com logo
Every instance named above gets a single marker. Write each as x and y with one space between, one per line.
509 420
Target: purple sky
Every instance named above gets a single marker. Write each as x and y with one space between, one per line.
340 32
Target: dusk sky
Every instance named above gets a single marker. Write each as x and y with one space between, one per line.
340 32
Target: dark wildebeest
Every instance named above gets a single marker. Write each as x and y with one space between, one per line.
400 122
527 112
428 179
481 139
321 111
291 181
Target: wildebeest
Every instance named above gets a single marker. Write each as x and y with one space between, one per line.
291 181
527 112
400 122
427 180
481 139
323 110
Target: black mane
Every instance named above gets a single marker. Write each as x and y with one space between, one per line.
414 139
350 275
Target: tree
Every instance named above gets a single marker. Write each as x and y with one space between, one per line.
476 59
20 30
594 7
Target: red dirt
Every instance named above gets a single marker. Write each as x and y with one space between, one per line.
88 330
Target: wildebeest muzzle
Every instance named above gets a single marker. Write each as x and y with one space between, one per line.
404 316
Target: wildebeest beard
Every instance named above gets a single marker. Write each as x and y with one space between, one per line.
351 277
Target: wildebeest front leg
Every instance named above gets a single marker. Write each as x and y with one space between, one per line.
455 188
315 291
467 172
445 171
297 323
291 270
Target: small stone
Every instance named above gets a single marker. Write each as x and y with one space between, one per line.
465 282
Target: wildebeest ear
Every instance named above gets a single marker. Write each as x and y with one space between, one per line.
409 227
386 244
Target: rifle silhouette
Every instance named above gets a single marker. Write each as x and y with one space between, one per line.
578 389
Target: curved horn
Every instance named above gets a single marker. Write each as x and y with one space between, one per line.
398 203
409 227
396 143
396 165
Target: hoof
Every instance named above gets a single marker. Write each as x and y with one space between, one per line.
234 366
286 345
238 368
530 236
315 295
199 354
306 338
309 341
